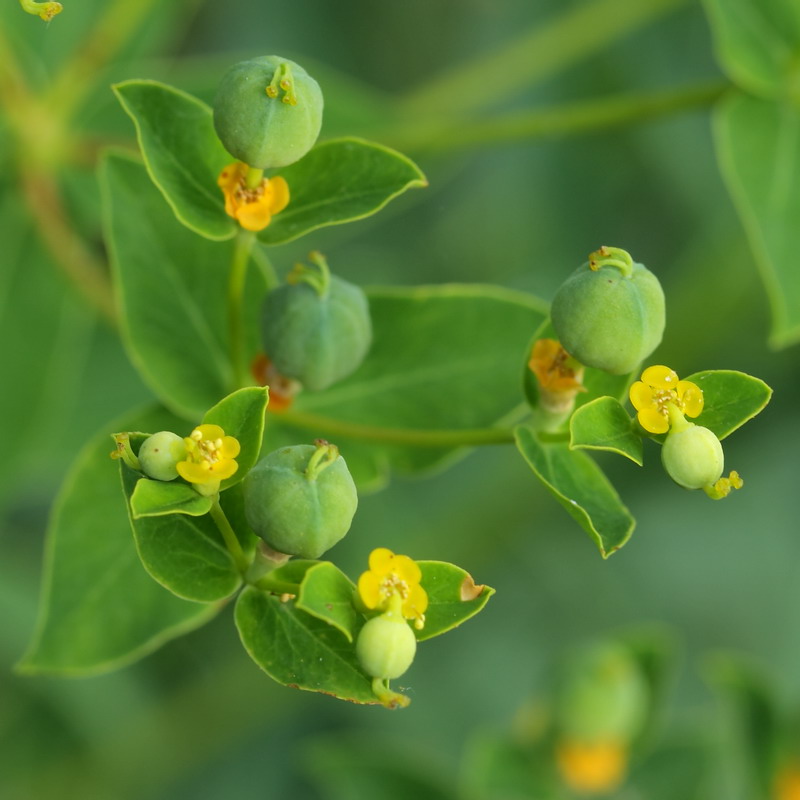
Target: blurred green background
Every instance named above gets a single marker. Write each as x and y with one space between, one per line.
198 719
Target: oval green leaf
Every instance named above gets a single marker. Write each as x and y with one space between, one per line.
581 487
603 424
340 181
442 373
758 149
186 555
298 650
327 594
171 290
241 415
730 399
182 153
99 609
453 597
158 498
757 42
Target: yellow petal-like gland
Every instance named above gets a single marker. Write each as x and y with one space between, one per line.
641 396
209 431
652 420
380 559
230 447
369 589
406 569
253 216
416 604
195 473
280 194
660 377
690 396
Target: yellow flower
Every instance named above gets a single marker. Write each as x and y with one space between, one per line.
554 367
592 767
45 11
659 389
252 208
210 455
393 581
787 783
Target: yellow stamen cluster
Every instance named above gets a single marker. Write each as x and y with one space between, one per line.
658 391
554 367
282 79
45 11
252 207
394 581
210 455
592 767
723 487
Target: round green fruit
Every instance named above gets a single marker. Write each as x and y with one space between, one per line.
609 318
300 500
159 454
316 338
604 695
693 457
386 646
268 111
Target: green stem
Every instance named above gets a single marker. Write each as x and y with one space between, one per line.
579 32
406 436
231 540
243 244
253 177
573 119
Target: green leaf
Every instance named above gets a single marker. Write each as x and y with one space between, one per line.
603 424
299 650
99 609
730 399
757 42
340 181
158 498
327 594
682 767
453 597
186 555
182 153
171 288
753 715
597 382
444 362
758 149
581 487
241 415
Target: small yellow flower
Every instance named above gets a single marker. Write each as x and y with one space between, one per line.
210 455
787 784
45 11
659 389
592 767
252 208
554 367
394 580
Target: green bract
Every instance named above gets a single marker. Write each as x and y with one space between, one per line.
316 334
159 454
301 500
386 646
693 457
604 695
610 318
268 111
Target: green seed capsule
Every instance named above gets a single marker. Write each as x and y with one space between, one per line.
386 646
316 334
693 457
300 500
611 317
268 111
603 697
159 454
